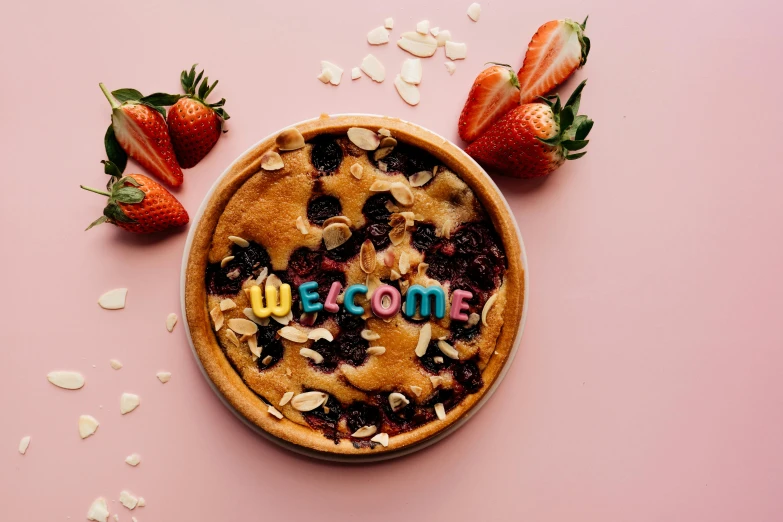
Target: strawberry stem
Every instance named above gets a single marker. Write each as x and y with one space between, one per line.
115 104
101 192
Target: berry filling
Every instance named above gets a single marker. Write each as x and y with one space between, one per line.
375 210
326 154
407 160
269 344
321 208
228 280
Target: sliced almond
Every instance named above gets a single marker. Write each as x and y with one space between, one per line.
394 275
474 11
252 345
382 439
367 257
422 269
364 431
24 444
423 27
227 304
440 411
128 500
388 258
473 320
113 299
456 51
285 399
378 36
274 281
335 235
262 276
434 31
365 139
308 319
171 322
409 93
335 72
425 335
293 334
416 390
314 356
383 167
243 326
308 401
436 381
389 23
302 226
141 503
129 402
163 377
271 160
450 67
217 317
287 318
232 337
115 364
266 361
373 68
388 142
397 401
273 411
397 235
443 36
402 193
238 241
438 359
372 283
405 263
369 335
87 425
253 317
487 308
337 219
226 260
357 171
420 178
320 333
66 380
325 76
384 132
404 287
133 459
411 71
448 350
376 350
99 510
290 139
421 45
380 185
356 73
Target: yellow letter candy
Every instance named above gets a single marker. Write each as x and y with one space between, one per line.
272 307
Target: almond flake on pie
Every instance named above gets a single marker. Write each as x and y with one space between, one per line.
440 411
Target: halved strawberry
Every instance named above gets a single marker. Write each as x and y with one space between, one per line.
558 48
495 92
138 124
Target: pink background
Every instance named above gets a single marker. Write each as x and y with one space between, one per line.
648 383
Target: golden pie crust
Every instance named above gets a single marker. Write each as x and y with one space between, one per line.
239 206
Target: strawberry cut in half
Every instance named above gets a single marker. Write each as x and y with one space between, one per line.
558 48
534 139
138 204
138 127
195 125
494 92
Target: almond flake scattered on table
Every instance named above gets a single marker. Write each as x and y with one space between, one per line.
66 380
24 444
163 377
99 511
171 321
335 72
373 68
474 11
378 36
456 51
87 425
128 500
133 459
113 299
129 402
115 364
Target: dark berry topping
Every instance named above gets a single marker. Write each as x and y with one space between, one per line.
304 262
328 351
361 414
407 160
326 154
228 280
269 344
428 359
468 375
424 237
351 348
378 233
347 250
375 210
349 322
322 208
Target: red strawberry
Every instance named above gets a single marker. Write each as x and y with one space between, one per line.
534 139
140 128
495 92
557 50
138 204
194 125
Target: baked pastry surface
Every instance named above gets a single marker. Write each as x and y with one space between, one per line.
456 233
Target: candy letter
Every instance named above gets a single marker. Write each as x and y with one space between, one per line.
272 307
458 304
309 297
331 300
424 295
377 301
349 304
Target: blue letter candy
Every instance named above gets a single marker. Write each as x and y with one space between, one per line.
424 294
348 302
309 297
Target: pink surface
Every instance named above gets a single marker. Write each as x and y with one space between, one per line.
648 383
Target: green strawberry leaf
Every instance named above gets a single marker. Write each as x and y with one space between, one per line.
566 119
574 144
114 152
573 100
111 169
124 95
557 107
552 142
113 212
162 99
576 156
202 89
99 221
130 180
584 129
128 195
221 112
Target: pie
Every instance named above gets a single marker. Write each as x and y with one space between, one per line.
353 205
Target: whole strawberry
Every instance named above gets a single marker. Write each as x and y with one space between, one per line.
194 125
138 125
534 139
138 204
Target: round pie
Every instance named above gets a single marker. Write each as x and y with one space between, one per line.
334 211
